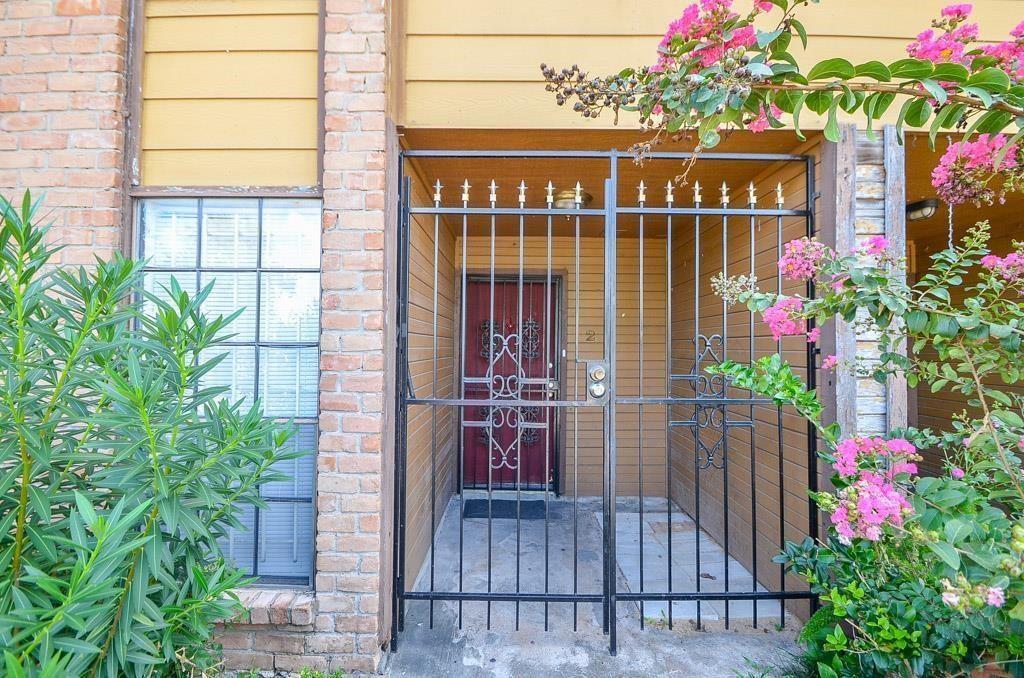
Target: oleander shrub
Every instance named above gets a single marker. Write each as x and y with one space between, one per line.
120 468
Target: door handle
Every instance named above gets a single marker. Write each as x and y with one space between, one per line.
552 389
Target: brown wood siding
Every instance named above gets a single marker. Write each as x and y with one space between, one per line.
422 431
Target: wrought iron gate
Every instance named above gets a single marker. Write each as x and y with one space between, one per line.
485 390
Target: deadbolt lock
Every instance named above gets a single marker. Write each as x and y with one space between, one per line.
597 386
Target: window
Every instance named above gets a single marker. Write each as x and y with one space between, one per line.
264 256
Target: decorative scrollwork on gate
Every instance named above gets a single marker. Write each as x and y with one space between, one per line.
508 350
710 421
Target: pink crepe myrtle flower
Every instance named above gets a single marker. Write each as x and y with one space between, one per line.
964 170
957 473
995 596
959 11
762 121
829 362
949 40
860 455
874 246
783 318
867 506
701 22
802 257
813 335
1010 267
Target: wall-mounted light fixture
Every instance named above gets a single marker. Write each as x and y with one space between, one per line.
922 209
566 200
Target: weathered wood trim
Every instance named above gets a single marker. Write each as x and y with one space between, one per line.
896 232
226 191
844 210
388 452
132 123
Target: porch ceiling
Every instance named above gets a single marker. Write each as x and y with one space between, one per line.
591 173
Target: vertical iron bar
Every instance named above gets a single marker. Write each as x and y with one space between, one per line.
778 413
519 410
576 430
549 416
433 408
752 430
725 392
462 394
668 387
490 410
812 375
611 292
698 388
640 407
401 409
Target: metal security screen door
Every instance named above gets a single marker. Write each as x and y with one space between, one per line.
510 354
563 460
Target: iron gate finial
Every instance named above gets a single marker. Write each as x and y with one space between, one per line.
579 194
494 192
437 191
465 191
778 194
725 194
669 198
522 192
550 188
753 193
642 195
696 192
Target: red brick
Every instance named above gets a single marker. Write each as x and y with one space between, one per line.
77 7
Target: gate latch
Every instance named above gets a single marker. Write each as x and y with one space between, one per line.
597 380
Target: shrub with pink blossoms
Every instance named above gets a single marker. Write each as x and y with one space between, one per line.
783 318
867 506
802 258
1010 267
967 168
889 457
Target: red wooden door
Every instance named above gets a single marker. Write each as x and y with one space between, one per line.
506 447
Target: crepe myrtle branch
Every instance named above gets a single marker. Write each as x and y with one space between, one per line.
716 72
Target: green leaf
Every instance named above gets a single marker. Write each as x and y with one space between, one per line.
991 79
874 69
946 553
764 39
832 124
936 90
949 72
819 102
911 69
917 321
918 112
800 31
832 68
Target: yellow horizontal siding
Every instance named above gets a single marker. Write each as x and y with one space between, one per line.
237 33
226 123
241 75
229 93
261 167
228 7
473 64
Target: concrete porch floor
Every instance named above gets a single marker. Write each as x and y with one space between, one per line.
473 650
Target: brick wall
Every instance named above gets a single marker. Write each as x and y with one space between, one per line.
62 85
